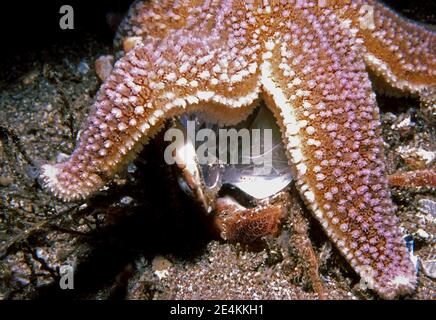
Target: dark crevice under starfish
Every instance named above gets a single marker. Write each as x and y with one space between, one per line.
309 61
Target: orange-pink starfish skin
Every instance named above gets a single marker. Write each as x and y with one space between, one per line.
308 60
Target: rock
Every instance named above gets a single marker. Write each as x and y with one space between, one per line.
422 234
5 181
103 66
429 268
83 68
161 266
416 158
126 200
131 168
427 206
30 77
403 123
32 171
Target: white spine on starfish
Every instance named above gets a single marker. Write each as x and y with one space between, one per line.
383 70
292 125
296 154
51 173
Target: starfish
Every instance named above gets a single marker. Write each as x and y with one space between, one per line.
309 62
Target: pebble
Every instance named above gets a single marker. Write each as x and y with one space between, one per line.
161 266
131 168
83 68
41 254
30 77
389 117
5 181
403 123
416 158
104 66
427 206
429 268
422 234
126 200
32 171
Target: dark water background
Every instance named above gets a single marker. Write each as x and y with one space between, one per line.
32 25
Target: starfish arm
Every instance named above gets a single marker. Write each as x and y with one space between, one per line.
317 86
399 51
151 21
414 179
214 75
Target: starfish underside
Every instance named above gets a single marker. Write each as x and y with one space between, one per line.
309 61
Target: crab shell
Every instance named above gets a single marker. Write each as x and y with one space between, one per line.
257 201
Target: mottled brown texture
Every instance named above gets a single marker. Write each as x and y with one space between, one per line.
248 225
414 179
